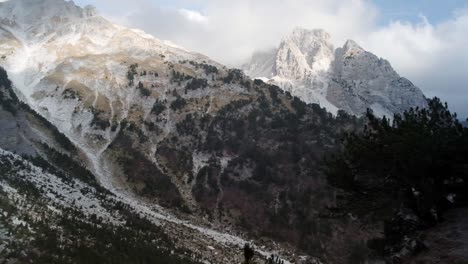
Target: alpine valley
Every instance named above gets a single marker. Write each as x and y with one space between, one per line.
117 147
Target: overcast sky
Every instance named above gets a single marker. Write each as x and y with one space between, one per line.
425 40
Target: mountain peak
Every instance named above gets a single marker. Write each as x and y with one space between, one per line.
317 33
351 49
27 13
351 45
348 78
307 38
90 11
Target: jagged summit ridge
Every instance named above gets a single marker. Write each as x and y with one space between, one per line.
348 78
33 13
351 44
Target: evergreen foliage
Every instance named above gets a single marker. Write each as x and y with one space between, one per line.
143 90
209 69
132 71
178 77
248 253
196 84
417 161
158 108
7 96
233 76
99 122
178 103
258 82
299 106
70 94
72 237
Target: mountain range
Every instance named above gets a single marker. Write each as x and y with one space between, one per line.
143 141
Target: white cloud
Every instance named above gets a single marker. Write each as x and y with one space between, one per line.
243 26
434 56
193 16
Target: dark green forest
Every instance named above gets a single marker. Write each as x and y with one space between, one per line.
408 170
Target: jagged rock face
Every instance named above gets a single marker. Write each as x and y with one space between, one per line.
13 132
12 125
348 78
304 53
361 80
262 64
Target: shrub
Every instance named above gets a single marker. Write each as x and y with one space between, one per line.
132 71
143 91
158 107
196 84
178 103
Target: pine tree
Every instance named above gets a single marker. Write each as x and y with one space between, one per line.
248 253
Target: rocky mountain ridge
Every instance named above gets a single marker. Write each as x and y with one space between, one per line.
348 78
42 169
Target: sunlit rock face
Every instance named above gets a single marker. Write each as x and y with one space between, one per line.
69 63
347 78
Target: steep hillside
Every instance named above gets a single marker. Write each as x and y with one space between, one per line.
53 210
252 162
50 178
348 78
50 218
